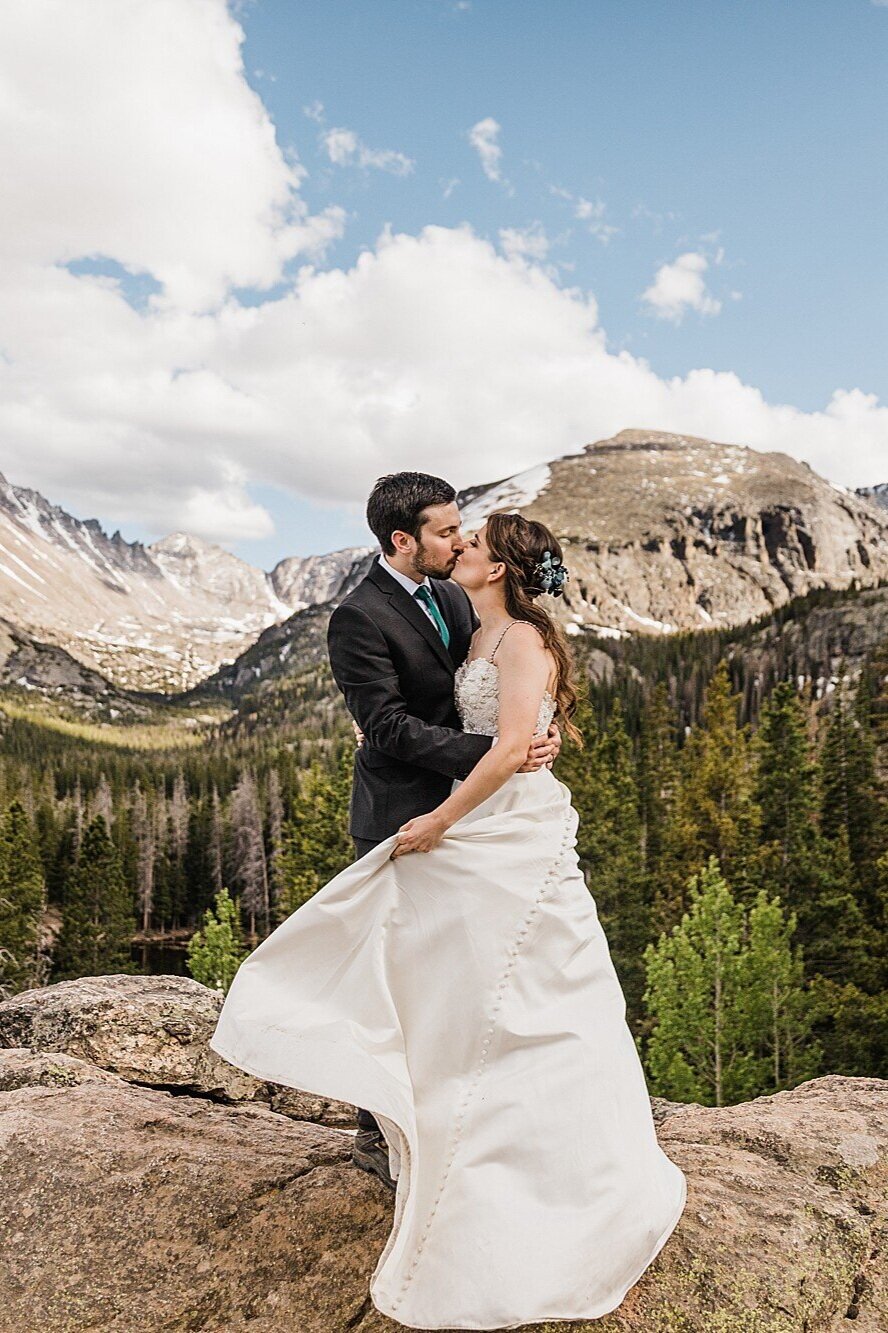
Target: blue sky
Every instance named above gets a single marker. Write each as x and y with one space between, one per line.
764 124
737 150
757 127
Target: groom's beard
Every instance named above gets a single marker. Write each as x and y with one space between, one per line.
426 564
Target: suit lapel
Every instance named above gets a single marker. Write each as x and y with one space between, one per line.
412 612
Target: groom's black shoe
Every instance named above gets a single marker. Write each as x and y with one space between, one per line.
370 1153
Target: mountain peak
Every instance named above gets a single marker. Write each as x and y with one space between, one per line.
185 544
635 439
664 531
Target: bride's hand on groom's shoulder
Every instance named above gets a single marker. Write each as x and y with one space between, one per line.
543 751
419 835
359 735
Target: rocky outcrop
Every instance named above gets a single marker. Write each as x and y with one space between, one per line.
876 494
670 532
819 642
151 1030
307 580
125 1208
129 1207
21 1067
51 673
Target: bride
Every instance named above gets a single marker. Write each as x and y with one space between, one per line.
456 982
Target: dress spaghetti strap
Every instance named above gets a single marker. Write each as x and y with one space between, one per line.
503 635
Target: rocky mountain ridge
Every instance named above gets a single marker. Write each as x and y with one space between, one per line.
662 532
667 532
155 617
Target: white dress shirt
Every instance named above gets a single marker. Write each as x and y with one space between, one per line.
410 585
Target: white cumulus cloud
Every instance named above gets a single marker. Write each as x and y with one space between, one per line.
434 351
679 287
129 131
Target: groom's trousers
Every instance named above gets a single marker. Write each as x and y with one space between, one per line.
362 847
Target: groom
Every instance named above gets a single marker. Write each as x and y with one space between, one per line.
395 643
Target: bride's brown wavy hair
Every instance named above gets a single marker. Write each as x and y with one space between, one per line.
520 544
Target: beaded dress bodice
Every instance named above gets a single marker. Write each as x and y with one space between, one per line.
476 690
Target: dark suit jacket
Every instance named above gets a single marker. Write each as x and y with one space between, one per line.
390 663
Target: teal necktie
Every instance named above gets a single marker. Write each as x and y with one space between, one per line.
423 594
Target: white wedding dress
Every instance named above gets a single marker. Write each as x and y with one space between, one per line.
467 997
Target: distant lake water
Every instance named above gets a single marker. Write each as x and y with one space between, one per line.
155 957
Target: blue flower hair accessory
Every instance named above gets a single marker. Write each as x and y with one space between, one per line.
550 575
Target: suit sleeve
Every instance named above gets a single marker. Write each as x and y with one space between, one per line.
363 669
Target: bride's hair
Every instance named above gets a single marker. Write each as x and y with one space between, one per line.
520 544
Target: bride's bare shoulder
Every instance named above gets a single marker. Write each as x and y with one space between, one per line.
520 641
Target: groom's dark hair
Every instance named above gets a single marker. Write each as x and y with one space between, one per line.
397 501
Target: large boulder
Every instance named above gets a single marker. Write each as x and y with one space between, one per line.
20 1067
124 1207
152 1030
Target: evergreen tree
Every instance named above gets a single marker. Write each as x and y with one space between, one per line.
581 771
165 890
840 944
714 812
215 952
199 858
784 788
315 842
614 870
177 849
849 794
852 1027
275 807
22 901
214 849
142 824
98 920
727 998
657 774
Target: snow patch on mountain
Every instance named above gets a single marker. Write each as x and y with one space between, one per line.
511 493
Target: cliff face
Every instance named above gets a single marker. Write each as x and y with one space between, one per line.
193 1204
666 532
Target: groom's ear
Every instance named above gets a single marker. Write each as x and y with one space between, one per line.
402 542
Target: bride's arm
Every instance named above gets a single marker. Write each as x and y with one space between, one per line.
523 674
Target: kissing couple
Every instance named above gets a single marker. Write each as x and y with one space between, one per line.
454 982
